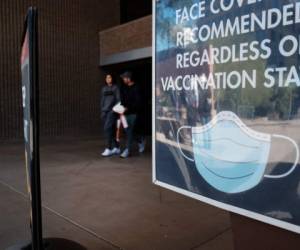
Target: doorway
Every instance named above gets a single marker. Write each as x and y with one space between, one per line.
142 75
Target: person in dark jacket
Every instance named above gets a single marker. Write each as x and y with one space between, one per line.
110 96
130 99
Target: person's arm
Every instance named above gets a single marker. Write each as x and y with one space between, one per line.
102 100
118 94
138 101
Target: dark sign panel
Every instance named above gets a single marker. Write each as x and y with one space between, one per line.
29 61
227 105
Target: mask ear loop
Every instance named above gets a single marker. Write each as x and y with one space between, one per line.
179 146
296 160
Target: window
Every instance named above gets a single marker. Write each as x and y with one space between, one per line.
134 9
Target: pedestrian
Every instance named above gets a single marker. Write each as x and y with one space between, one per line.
110 96
140 124
130 99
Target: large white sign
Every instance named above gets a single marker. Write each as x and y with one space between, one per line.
227 105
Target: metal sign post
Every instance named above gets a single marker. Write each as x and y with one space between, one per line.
30 92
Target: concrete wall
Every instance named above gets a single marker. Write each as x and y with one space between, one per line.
69 58
130 36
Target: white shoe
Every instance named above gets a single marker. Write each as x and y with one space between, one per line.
142 147
125 154
116 151
107 152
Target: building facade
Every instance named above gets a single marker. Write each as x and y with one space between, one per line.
69 64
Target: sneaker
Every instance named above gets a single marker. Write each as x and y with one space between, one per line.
107 152
116 151
125 154
142 147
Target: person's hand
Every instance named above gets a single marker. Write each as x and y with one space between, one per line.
125 109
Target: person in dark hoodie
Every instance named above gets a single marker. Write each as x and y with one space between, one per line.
130 99
110 96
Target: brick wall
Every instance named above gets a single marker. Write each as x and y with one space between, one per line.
69 58
133 35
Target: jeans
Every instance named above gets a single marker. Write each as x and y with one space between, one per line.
110 121
131 120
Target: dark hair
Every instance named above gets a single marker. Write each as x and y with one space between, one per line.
127 74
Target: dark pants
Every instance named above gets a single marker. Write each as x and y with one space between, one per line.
109 125
139 128
131 120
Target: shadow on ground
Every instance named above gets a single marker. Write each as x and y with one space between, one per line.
104 203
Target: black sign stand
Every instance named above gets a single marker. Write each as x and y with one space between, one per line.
34 175
30 93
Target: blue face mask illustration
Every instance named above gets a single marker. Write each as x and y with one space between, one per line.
230 156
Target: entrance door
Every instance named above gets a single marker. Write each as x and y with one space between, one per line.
142 75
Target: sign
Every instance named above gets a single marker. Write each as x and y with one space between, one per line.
227 105
30 93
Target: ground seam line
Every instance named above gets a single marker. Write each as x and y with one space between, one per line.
212 238
63 217
82 227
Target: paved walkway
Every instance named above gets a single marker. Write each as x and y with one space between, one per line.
104 203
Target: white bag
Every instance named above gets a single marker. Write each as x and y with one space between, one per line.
124 121
119 108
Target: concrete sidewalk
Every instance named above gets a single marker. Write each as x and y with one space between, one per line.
104 203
